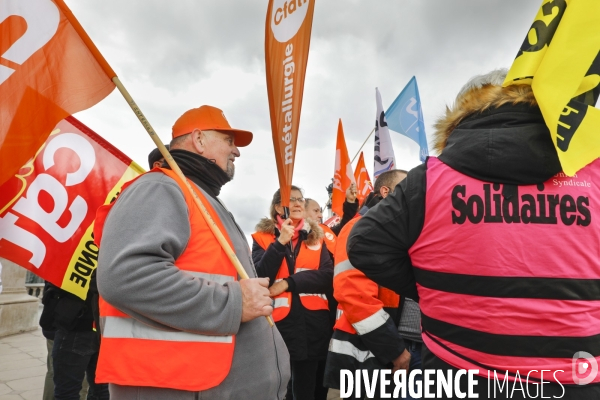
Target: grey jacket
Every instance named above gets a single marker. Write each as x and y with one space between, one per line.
145 232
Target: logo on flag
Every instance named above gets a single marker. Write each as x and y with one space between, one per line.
50 70
405 117
384 152
47 210
287 18
560 58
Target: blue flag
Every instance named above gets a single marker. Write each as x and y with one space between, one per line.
405 117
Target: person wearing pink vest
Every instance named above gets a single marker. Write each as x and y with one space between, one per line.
500 248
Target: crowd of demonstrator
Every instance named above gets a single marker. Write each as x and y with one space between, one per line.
459 263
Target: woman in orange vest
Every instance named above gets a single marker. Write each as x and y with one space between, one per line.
292 254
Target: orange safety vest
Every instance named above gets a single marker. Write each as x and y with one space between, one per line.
363 307
388 299
361 301
308 259
329 238
136 354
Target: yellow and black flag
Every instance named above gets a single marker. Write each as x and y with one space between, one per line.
560 59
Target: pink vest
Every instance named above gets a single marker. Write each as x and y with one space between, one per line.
509 277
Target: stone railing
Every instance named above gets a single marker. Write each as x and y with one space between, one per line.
18 310
35 289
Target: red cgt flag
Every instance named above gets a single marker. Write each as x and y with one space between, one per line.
287 39
49 69
342 176
364 185
47 209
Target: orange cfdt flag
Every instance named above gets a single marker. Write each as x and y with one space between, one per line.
49 69
364 185
287 39
343 175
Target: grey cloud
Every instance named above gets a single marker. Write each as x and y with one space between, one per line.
169 46
173 42
248 210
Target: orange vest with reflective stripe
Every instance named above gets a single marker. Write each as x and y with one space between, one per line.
329 238
309 258
360 299
135 354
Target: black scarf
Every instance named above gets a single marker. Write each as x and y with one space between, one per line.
202 171
372 200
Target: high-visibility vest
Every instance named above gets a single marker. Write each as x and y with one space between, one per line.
362 303
136 354
309 258
363 308
329 238
508 275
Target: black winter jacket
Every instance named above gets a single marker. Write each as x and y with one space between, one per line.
510 145
67 312
349 211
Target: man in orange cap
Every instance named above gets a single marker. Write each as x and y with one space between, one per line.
206 130
176 320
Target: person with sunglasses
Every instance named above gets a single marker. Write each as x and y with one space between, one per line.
292 254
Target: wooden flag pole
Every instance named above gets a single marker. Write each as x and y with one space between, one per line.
175 168
363 145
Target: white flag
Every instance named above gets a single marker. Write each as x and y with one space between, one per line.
384 152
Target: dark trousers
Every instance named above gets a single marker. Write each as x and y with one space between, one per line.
307 380
74 354
414 348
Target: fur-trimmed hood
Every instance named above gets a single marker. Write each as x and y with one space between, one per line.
476 101
497 134
313 231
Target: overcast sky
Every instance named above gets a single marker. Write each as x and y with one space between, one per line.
176 55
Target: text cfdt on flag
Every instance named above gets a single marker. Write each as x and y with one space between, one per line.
288 8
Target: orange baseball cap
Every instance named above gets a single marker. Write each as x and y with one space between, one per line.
209 118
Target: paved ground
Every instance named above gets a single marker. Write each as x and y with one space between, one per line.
22 366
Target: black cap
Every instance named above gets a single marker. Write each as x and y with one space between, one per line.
155 156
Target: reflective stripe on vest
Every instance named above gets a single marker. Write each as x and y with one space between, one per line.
347 348
319 295
309 258
281 302
218 278
119 327
342 267
371 323
135 354
524 294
